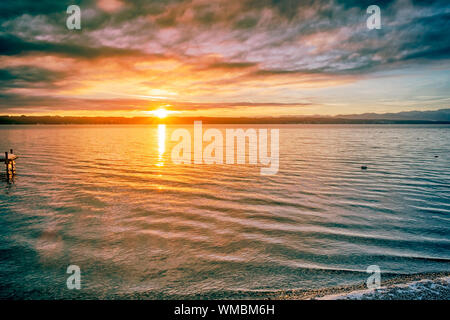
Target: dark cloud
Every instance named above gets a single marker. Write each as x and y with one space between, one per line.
11 45
12 9
29 77
290 21
16 103
431 42
231 65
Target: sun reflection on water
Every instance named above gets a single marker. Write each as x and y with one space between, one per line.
161 144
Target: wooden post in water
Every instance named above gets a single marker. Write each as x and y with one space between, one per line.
7 165
10 164
13 164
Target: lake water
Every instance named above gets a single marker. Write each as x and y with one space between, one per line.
109 200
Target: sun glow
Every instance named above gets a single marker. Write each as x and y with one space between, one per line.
161 113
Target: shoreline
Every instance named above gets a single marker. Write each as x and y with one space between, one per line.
422 286
427 286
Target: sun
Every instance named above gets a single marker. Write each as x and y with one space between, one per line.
161 113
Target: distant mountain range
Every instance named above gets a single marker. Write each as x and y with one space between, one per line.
441 116
435 115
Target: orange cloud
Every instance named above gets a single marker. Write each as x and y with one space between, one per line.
110 6
139 83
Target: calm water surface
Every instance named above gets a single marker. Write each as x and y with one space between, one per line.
110 200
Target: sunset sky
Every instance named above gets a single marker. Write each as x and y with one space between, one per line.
223 57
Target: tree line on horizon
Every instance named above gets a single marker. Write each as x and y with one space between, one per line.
61 120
